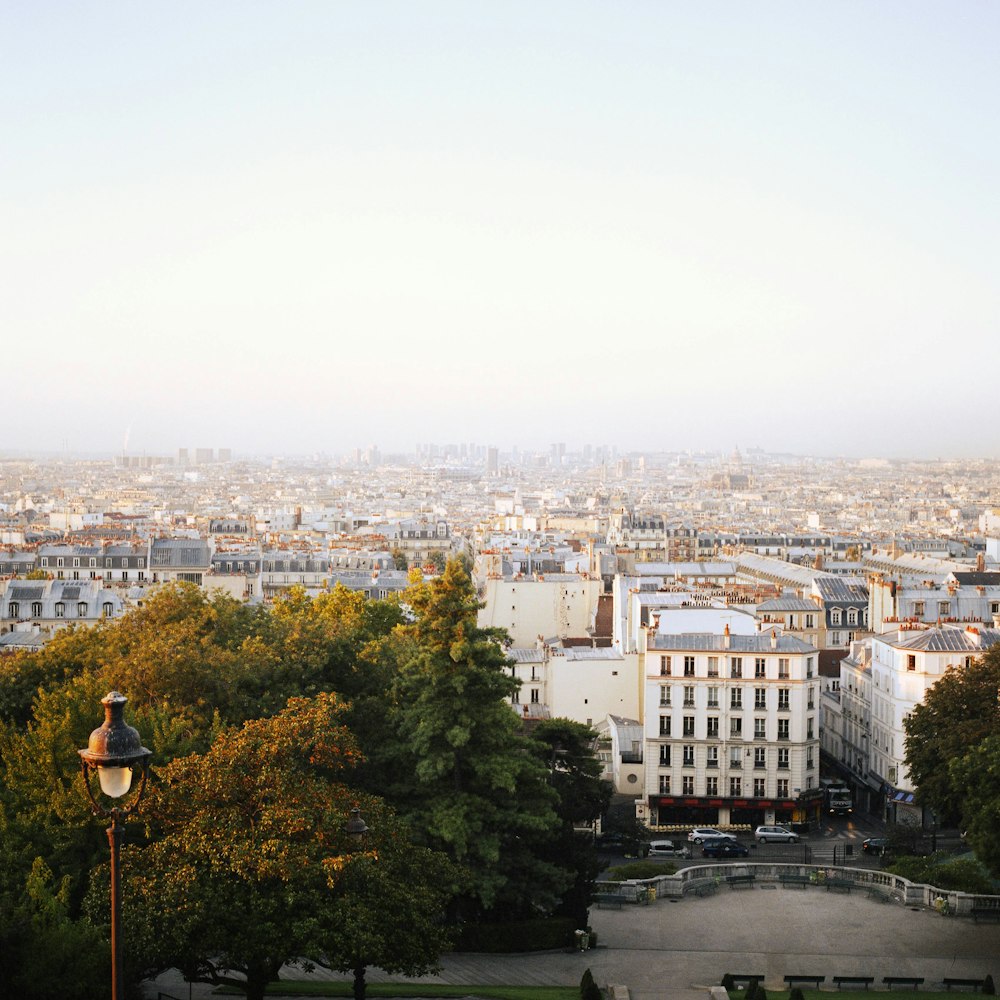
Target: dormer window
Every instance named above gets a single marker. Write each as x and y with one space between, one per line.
835 616
13 610
60 609
36 609
81 609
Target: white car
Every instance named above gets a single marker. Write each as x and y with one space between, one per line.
702 833
668 849
776 834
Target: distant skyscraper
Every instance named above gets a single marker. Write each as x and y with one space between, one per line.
202 456
182 456
492 461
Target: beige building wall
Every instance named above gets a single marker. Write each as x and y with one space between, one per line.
553 606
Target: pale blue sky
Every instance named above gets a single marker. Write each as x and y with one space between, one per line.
299 226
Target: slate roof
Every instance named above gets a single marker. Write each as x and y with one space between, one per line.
950 640
841 588
787 604
713 643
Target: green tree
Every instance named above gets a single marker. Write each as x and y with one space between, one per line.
978 775
456 764
437 559
399 559
958 713
250 869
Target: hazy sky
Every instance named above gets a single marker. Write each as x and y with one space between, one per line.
295 226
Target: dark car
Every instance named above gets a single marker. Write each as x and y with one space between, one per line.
875 845
724 849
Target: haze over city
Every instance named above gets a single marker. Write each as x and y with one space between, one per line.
289 228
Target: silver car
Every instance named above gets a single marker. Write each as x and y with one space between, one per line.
775 834
668 849
702 833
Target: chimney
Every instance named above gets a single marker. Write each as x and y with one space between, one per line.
726 637
774 638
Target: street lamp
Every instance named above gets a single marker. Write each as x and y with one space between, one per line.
115 752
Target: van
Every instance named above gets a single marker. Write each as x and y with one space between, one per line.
668 849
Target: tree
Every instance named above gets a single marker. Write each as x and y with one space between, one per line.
250 871
455 763
399 559
978 774
958 713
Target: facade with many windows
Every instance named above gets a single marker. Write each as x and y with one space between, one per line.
731 728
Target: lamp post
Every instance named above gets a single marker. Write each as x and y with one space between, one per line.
115 752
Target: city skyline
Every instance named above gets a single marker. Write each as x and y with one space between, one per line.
660 228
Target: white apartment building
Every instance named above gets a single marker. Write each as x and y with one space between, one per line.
731 727
553 606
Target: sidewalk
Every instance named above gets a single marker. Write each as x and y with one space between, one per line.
677 949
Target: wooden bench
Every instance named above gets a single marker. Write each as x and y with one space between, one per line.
950 981
985 913
793 980
701 886
604 899
800 880
839 883
865 981
733 881
880 892
912 981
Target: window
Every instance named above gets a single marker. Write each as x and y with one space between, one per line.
712 785
107 609
759 788
712 730
713 757
664 725
60 610
782 729
809 761
783 697
93 562
534 696
782 788
760 698
664 784
689 666
76 561
809 728
13 610
665 755
688 755
995 607
664 666
36 609
736 698
107 562
687 784
760 757
783 759
810 621
918 609
689 697
735 787
783 668
713 666
736 728
736 666
735 759
81 609
760 667
911 661
852 616
836 639
760 729
944 609
59 561
664 694
835 616
809 668
811 703
689 725
45 560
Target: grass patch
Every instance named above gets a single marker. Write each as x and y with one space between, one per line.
310 988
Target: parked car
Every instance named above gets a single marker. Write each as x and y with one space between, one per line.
875 845
775 834
668 849
702 833
724 848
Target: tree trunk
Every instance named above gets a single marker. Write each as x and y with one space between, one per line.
359 982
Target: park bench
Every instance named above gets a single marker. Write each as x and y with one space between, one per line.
605 899
865 981
985 913
701 886
733 881
801 880
912 981
839 883
748 980
880 892
950 981
795 980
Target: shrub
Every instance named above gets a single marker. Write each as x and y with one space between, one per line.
727 982
761 993
988 988
961 875
526 935
796 994
589 990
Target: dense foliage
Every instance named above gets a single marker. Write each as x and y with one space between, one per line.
953 751
267 726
